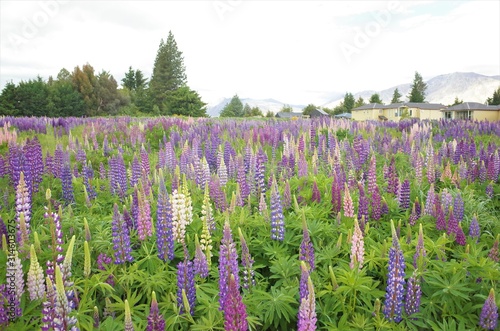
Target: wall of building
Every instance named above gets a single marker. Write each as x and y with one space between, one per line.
486 115
364 115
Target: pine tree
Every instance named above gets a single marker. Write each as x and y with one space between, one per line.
168 71
417 93
396 96
375 98
185 102
233 109
495 99
349 102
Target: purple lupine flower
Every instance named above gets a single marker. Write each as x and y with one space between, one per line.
247 263
489 190
392 180
88 175
121 238
49 306
430 201
474 230
15 276
458 207
384 209
136 172
235 315
404 195
144 225
362 203
372 174
35 281
63 306
241 179
336 196
156 322
395 280
440 216
494 253
228 264
67 183
357 247
259 172
420 252
200 260
277 218
97 321
164 234
217 194
287 196
376 204
413 295
185 281
316 194
460 236
306 247
415 213
307 310
489 313
452 224
348 204
304 275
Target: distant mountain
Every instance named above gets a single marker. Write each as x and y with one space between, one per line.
265 105
467 86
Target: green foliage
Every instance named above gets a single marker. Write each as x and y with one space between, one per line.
495 99
360 102
308 109
375 98
396 96
233 109
185 102
418 87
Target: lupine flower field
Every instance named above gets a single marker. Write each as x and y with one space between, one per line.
210 224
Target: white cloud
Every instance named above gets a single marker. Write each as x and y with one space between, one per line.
287 50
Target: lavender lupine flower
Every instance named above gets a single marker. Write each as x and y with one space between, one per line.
259 172
395 280
307 310
372 174
23 206
241 179
430 201
489 190
287 196
316 194
415 213
35 281
489 313
474 230
247 263
97 321
200 260
228 264
460 236
103 261
136 172
440 216
376 204
128 325
452 224
413 295
357 247
458 207
88 175
362 203
164 234
306 247
404 195
494 253
121 238
144 225
185 281
277 218
392 180
156 322
235 315
67 183
348 204
420 252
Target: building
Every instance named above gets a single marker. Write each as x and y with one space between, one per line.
289 115
344 115
473 111
318 113
426 111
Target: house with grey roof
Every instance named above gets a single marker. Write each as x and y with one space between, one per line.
318 113
473 111
289 115
396 111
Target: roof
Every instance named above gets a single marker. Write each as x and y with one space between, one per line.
344 115
472 106
282 114
420 105
321 111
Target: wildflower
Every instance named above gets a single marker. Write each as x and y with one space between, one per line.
185 282
164 233
277 218
36 282
357 247
200 260
156 322
121 238
228 264
306 247
404 195
307 310
348 205
489 313
235 315
128 325
413 295
247 263
474 230
395 280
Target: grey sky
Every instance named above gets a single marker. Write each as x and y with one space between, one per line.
292 51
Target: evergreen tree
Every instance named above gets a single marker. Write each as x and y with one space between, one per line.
168 71
185 102
8 100
32 98
308 109
129 80
375 98
348 102
417 92
495 99
106 94
233 109
396 96
360 102
65 100
457 101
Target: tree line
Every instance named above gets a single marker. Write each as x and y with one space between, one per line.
83 92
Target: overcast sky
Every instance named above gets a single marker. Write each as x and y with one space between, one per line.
297 52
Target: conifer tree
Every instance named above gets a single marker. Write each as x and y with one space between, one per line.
417 92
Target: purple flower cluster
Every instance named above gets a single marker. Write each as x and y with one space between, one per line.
235 314
156 322
121 238
413 295
306 247
185 282
247 263
489 313
164 234
228 264
277 218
